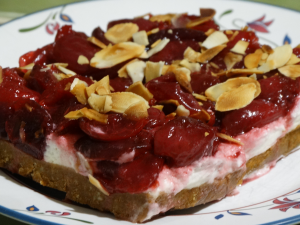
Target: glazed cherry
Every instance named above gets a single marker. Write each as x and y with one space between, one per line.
184 140
99 34
28 126
122 150
120 84
132 177
117 128
255 115
202 80
156 118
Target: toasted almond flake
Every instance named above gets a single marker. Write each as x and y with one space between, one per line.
27 67
29 108
200 97
159 107
231 59
229 32
121 32
155 30
91 114
210 31
139 89
165 69
45 69
170 31
122 100
156 43
210 53
202 115
1 75
182 111
144 55
77 81
253 76
113 55
265 77
292 71
153 70
137 111
267 49
170 101
278 58
101 87
171 115
200 103
215 39
236 98
191 55
80 93
240 47
214 65
214 92
60 76
97 42
160 46
82 60
193 67
136 70
234 35
68 87
162 18
230 139
123 71
206 14
206 134
197 21
293 60
102 104
183 77
264 56
97 184
238 72
251 61
140 38
66 71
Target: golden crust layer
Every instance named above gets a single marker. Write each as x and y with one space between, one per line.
133 207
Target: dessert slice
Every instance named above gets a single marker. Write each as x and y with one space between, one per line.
152 115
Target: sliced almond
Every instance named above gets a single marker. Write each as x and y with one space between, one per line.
144 55
113 55
160 46
215 39
293 60
214 65
278 58
140 38
240 47
205 15
80 93
101 87
231 59
66 71
123 71
82 60
191 55
229 32
137 111
139 89
238 72
91 114
155 30
251 61
97 42
236 98
122 100
197 21
27 67
182 111
121 32
292 71
153 70
155 43
102 104
230 139
267 49
234 35
136 70
214 92
77 81
253 76
210 31
162 18
200 97
193 67
183 77
210 53
97 184
159 107
202 115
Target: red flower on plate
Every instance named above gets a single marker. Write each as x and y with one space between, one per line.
52 27
286 204
259 25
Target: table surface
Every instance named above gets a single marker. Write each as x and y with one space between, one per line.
10 9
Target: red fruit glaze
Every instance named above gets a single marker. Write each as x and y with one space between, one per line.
255 115
41 56
133 177
184 140
117 127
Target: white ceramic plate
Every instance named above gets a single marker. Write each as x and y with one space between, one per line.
271 199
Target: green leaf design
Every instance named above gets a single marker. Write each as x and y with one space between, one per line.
225 13
54 16
33 28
